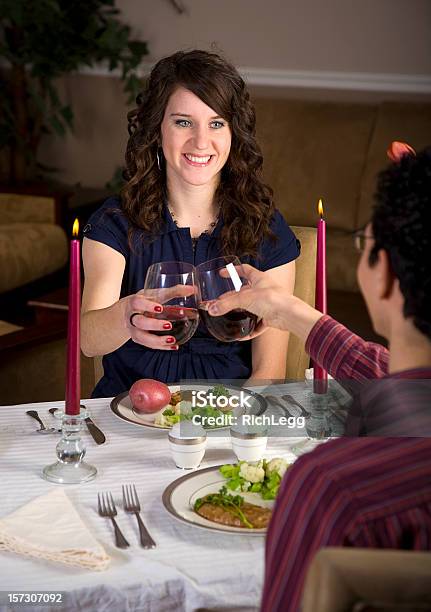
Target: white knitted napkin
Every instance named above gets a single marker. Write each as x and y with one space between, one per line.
50 528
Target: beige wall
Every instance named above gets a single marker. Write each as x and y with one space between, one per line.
96 147
378 36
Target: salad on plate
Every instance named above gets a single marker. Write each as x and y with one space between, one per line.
263 477
181 408
228 507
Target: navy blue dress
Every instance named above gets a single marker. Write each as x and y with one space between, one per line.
202 357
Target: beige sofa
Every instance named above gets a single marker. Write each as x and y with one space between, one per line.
333 151
32 244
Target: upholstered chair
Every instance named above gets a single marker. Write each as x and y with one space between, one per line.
305 281
371 580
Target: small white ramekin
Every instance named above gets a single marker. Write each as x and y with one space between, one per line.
187 444
248 446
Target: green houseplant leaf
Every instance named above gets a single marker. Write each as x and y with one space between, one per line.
42 41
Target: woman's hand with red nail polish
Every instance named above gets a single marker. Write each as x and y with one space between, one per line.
144 320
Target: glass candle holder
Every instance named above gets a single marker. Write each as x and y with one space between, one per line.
70 467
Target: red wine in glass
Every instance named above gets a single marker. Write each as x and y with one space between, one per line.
184 322
172 283
231 326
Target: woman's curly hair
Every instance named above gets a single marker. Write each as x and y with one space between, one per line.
245 201
401 224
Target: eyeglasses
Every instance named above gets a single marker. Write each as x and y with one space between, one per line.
359 240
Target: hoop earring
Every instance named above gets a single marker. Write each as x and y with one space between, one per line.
159 164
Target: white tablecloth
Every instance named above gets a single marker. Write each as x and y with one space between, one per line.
189 570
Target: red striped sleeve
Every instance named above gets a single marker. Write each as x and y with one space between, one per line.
344 354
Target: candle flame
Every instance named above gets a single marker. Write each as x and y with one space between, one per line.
75 228
320 208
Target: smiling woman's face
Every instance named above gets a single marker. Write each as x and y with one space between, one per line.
195 140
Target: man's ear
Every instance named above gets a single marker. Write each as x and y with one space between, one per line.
384 275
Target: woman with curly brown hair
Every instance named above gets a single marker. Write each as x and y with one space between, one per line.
194 192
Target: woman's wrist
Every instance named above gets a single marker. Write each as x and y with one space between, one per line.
126 312
104 330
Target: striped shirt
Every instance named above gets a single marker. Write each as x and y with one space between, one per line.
385 405
364 492
344 354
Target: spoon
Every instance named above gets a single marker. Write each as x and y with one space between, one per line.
43 429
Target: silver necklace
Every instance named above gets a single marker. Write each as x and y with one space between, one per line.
208 229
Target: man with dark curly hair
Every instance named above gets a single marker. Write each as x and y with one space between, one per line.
365 491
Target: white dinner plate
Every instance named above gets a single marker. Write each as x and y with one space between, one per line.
121 406
180 496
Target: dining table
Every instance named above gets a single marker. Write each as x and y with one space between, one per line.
190 568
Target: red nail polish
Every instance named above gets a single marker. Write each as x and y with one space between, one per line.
158 309
170 340
167 326
174 348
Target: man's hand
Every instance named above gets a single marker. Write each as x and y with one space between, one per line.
262 296
270 302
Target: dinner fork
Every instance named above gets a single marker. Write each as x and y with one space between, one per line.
107 509
132 506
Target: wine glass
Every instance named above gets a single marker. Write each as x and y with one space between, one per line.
215 277
172 283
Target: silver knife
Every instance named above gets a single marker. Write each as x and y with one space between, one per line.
98 435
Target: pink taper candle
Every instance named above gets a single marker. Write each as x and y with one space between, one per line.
320 375
73 366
